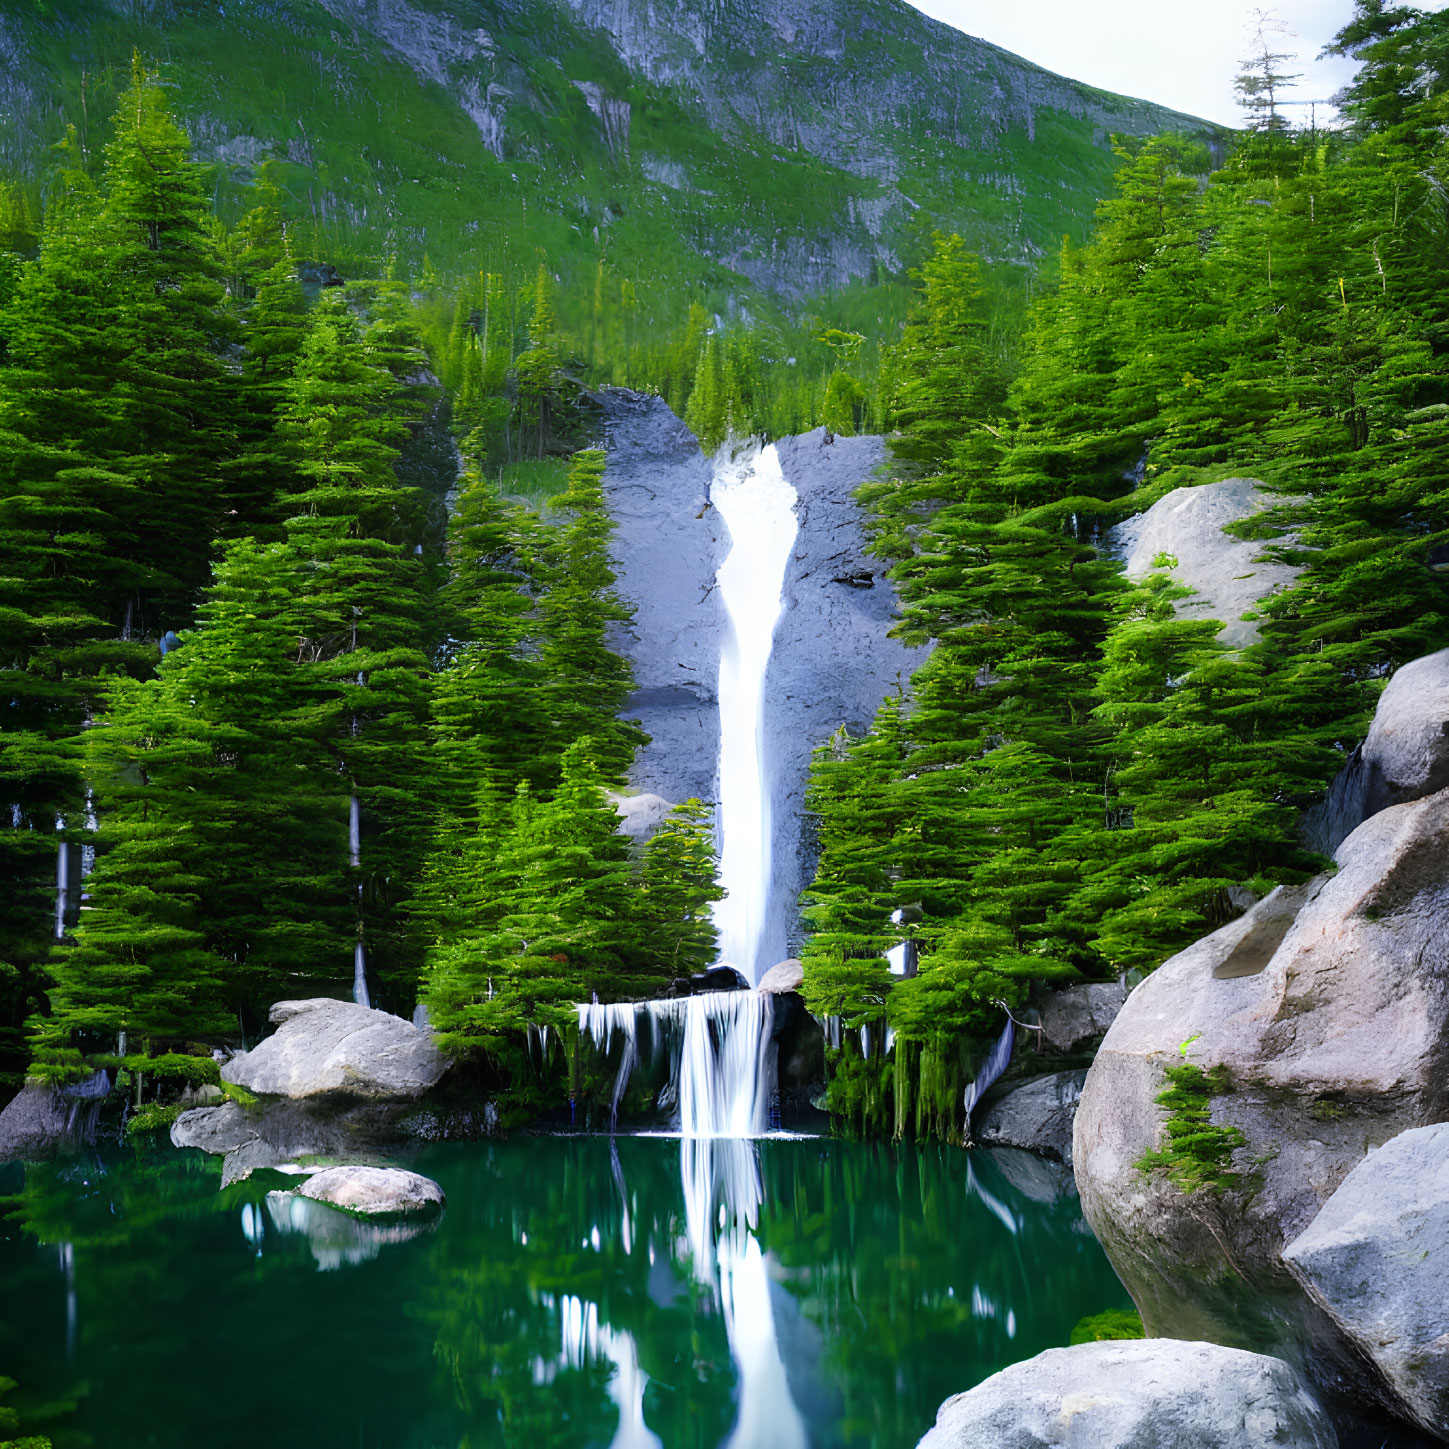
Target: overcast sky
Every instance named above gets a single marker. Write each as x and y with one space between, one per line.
1183 53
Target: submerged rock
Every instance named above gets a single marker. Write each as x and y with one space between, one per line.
1404 757
1036 1116
1184 530
1330 1028
374 1191
1377 1260
323 1046
1140 1394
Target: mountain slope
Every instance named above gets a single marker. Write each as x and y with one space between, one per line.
733 145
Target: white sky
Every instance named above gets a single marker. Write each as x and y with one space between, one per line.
1183 53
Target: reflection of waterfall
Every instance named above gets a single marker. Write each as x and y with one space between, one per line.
721 1056
757 504
723 1186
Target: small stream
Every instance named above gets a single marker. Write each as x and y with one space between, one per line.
577 1292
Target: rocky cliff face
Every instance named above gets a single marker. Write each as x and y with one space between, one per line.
832 663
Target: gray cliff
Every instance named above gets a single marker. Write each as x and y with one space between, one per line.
833 661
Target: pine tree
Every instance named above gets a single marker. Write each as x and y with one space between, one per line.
587 683
677 885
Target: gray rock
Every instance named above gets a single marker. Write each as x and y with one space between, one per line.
1226 573
666 551
1332 1045
40 1118
1404 757
1377 1260
217 1130
1141 1394
374 1191
336 1238
640 815
1036 1116
786 976
323 1046
1074 1018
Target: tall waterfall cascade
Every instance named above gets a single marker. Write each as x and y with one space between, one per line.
757 502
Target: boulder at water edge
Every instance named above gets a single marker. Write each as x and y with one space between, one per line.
1404 757
323 1046
41 1117
1037 1116
374 1191
1377 1260
1142 1394
1331 1030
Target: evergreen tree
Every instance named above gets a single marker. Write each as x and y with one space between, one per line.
587 683
677 885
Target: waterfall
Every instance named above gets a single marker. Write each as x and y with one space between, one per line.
722 1059
757 503
359 976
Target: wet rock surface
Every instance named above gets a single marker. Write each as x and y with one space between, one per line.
40 1118
1143 1394
323 1047
1037 1116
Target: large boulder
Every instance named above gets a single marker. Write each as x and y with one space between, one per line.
1405 755
1141 1394
326 1047
1377 1260
1184 529
1077 1016
374 1191
1036 1116
1329 1027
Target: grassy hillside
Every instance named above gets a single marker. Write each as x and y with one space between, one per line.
742 157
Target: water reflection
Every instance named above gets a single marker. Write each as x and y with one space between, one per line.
578 1294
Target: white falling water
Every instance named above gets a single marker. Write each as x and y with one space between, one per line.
359 976
757 503
722 1059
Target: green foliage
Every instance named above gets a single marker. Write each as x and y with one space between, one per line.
153 1117
10 1422
1197 1155
1115 1323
